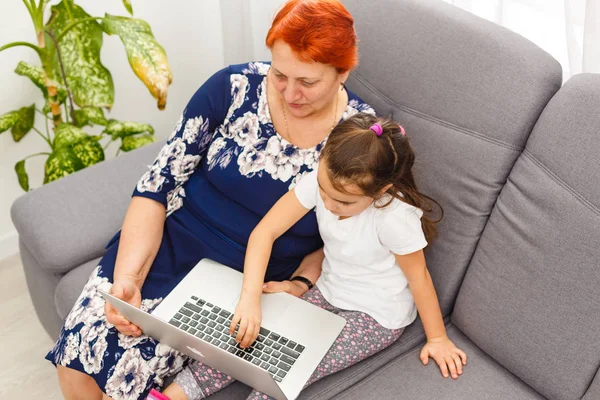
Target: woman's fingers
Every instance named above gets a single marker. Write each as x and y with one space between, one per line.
275 287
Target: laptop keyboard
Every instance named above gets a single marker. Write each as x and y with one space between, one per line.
271 351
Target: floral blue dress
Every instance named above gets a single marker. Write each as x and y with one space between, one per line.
221 170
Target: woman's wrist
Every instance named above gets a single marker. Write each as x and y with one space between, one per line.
134 279
303 280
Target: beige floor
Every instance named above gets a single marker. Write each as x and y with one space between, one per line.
24 374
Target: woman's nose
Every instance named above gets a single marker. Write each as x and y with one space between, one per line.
291 93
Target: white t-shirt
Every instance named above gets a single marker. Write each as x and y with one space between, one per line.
360 271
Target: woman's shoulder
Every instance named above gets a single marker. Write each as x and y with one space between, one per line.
357 105
253 68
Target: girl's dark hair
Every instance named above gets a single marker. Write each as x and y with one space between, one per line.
355 154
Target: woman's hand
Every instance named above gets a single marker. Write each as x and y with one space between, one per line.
248 316
127 291
445 354
310 268
295 288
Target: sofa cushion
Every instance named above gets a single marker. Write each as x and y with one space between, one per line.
407 378
530 298
68 223
468 93
70 286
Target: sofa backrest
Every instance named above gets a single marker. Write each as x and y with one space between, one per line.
531 296
468 93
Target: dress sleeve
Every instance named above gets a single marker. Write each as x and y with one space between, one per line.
307 190
401 230
181 155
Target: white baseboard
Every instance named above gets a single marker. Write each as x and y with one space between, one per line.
9 245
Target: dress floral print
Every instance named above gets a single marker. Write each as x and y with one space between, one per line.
222 168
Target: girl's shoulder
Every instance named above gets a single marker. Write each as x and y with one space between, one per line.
397 210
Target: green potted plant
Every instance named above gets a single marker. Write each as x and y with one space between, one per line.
78 89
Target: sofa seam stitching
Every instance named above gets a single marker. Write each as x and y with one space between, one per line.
562 183
435 120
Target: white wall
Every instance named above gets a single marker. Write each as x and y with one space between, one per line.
191 33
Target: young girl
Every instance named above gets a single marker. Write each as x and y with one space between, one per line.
370 217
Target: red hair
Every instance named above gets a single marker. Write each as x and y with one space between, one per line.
317 31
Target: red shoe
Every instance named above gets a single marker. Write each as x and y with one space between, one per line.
156 395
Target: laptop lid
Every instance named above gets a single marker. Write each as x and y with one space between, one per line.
198 349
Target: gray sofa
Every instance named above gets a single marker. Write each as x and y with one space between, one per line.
510 154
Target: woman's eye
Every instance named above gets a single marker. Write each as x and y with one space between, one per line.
308 84
280 77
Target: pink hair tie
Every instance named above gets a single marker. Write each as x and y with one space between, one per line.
402 131
377 128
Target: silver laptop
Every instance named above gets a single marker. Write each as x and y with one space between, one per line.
195 317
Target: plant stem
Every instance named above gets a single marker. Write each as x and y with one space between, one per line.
41 112
14 44
63 75
36 154
73 24
47 140
45 124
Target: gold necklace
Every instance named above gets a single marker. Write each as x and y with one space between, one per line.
287 128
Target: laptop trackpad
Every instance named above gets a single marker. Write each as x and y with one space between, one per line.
273 306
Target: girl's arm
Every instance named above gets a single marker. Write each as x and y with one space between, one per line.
438 346
284 214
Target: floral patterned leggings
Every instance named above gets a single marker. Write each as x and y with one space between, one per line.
361 338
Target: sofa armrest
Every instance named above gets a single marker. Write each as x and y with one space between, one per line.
69 222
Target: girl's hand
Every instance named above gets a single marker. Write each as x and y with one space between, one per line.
129 292
249 316
445 354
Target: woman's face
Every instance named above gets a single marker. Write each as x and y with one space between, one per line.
306 88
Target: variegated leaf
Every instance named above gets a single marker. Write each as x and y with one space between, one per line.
22 175
61 162
120 129
8 120
133 142
89 116
146 57
67 135
89 81
36 75
127 4
89 151
24 123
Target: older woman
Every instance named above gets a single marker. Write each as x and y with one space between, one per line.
245 138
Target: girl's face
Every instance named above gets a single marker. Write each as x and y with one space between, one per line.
305 88
341 204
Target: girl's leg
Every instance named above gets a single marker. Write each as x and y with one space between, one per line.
197 381
361 338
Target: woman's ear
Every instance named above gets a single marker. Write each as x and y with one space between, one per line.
344 77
